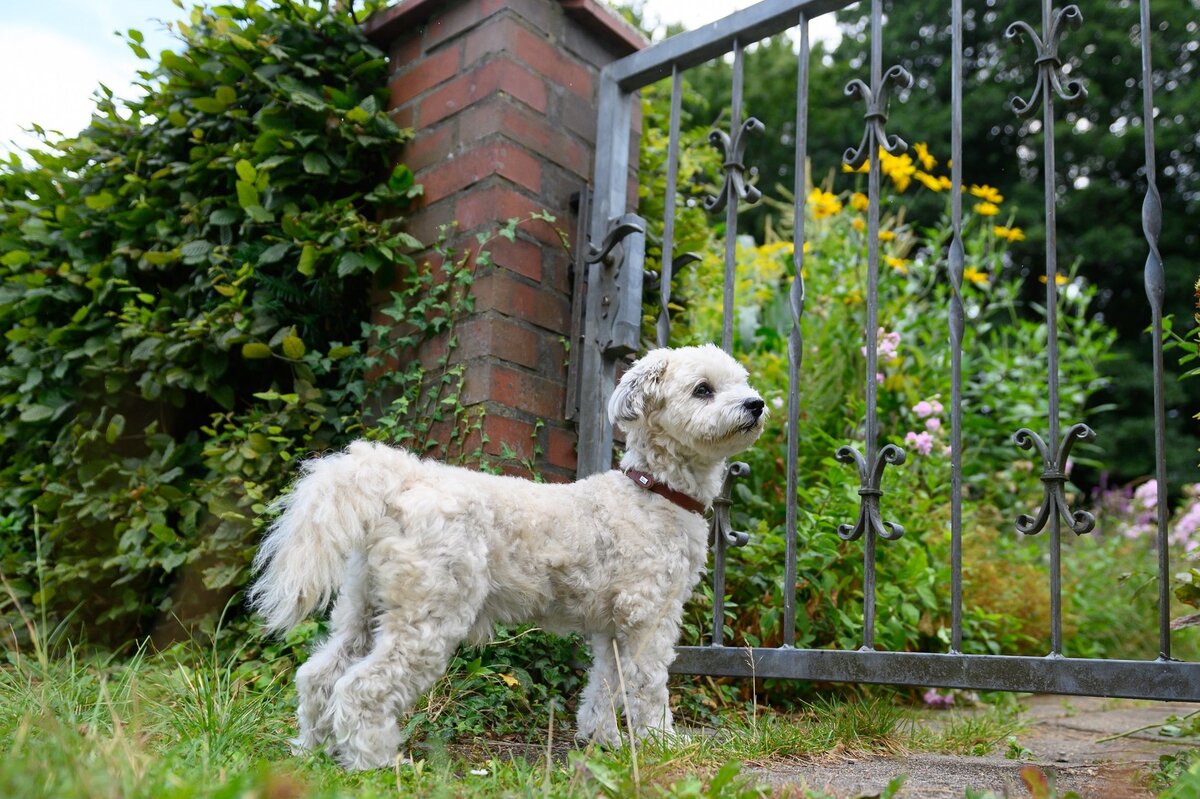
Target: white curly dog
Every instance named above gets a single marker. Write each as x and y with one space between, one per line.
422 556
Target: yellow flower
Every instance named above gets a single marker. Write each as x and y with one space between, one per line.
1009 233
927 161
824 203
986 209
894 382
777 246
865 166
858 224
928 180
900 168
886 235
976 276
1059 279
853 298
986 192
899 264
807 247
859 201
945 182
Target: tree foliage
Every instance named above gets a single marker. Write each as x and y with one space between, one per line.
183 299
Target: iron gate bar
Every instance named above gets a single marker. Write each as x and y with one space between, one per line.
1049 83
1126 679
668 246
955 263
796 338
870 462
1155 281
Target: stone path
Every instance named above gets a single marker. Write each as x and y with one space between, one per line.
1061 737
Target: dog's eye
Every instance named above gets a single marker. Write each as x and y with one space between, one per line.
703 391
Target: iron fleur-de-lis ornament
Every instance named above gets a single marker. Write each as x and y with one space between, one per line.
876 98
869 515
1053 477
734 151
1050 75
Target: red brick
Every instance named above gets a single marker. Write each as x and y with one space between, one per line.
546 309
425 74
458 18
492 205
405 50
465 169
496 35
404 117
513 388
431 146
501 431
498 115
520 256
498 75
548 60
560 449
484 336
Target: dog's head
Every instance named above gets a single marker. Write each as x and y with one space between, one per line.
695 396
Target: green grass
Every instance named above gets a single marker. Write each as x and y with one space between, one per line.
189 724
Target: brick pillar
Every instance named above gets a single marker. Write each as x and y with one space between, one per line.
501 95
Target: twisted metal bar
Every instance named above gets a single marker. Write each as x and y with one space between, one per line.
663 329
1050 84
871 464
1155 278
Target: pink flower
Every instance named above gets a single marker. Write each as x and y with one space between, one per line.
933 424
937 406
879 378
923 409
885 346
921 442
935 698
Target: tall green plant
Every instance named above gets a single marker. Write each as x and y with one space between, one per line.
183 299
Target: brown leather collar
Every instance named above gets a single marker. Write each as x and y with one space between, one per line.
663 490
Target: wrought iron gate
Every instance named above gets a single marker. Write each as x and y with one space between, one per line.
612 320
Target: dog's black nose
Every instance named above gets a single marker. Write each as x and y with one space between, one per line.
755 406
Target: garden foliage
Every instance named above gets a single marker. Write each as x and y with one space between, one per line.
1109 599
183 300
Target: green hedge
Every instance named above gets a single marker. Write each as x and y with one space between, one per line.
183 300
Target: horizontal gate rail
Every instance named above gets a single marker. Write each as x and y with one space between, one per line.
1126 679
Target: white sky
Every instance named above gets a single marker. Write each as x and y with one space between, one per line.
54 53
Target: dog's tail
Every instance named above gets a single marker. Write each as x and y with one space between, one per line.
324 518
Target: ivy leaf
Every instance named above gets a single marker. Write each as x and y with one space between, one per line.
293 347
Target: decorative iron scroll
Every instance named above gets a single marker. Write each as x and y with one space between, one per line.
617 231
721 525
1050 75
1054 476
869 515
619 310
876 98
734 151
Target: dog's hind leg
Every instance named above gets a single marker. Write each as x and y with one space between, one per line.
597 716
349 640
428 590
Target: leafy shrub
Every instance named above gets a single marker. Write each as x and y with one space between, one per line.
183 296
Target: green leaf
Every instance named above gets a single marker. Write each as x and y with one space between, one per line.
116 426
247 194
197 250
16 258
207 105
36 413
259 214
358 115
274 253
98 202
341 351
293 347
224 216
255 350
316 164
350 263
225 95
246 171
308 259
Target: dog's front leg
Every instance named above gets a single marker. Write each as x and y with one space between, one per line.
597 716
647 652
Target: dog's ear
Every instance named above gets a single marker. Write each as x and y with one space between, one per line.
639 386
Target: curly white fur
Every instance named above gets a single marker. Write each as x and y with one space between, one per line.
422 556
